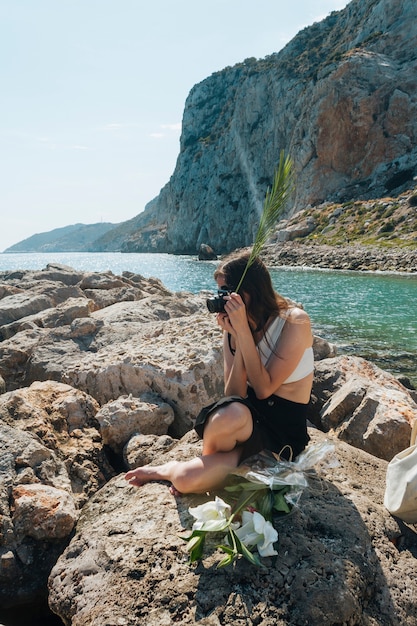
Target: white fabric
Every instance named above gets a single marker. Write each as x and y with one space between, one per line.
400 496
267 345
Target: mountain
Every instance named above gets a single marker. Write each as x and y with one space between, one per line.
340 98
75 238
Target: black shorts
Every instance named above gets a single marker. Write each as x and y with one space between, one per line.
279 425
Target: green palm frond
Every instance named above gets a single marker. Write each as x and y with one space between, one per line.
274 205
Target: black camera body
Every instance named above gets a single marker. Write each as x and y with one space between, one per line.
216 304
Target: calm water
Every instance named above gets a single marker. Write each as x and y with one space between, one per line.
367 314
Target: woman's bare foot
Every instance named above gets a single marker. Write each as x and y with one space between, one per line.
197 475
148 473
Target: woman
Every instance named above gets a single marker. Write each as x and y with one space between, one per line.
268 375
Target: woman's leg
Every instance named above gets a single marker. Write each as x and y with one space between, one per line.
227 427
224 430
195 476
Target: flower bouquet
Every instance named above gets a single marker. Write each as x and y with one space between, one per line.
259 491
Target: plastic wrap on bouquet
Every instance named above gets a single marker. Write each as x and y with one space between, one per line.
290 477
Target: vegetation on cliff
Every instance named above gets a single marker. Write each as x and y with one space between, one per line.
385 222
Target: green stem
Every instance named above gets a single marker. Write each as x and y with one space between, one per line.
233 538
240 507
274 205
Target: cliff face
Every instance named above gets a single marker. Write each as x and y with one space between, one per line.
341 98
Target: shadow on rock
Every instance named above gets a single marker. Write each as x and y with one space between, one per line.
342 559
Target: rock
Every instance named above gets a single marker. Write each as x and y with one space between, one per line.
122 383
206 253
104 280
59 273
26 464
43 512
166 345
146 449
406 382
159 449
76 330
323 349
362 405
21 305
84 327
103 298
127 415
63 419
293 231
60 315
8 290
341 559
51 461
349 257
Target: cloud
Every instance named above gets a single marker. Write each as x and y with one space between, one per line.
165 130
171 128
119 125
113 126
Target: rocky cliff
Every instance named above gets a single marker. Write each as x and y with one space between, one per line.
340 98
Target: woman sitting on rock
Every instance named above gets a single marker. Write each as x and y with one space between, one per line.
268 374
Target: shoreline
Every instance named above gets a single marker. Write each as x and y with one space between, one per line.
309 255
354 257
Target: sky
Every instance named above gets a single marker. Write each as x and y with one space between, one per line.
93 92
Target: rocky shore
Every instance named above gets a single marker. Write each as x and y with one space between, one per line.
348 257
102 373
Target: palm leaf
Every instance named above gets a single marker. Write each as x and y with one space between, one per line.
274 205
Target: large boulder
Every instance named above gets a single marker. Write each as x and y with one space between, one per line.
342 559
63 419
363 405
127 416
51 461
37 515
62 314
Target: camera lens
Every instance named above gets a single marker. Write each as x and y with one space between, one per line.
215 305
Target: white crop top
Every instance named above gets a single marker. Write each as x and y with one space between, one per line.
267 345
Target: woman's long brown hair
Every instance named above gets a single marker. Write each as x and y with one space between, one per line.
264 302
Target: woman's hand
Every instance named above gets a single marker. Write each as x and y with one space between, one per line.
236 312
233 318
224 323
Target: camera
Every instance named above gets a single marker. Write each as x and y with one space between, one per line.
216 304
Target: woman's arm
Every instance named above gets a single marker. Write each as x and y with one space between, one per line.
295 338
235 377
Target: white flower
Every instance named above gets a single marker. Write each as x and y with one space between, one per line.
212 516
256 531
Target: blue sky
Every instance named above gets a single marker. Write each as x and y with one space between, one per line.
93 93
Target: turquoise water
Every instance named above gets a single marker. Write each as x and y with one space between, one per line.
368 314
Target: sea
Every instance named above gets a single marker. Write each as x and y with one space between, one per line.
367 314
